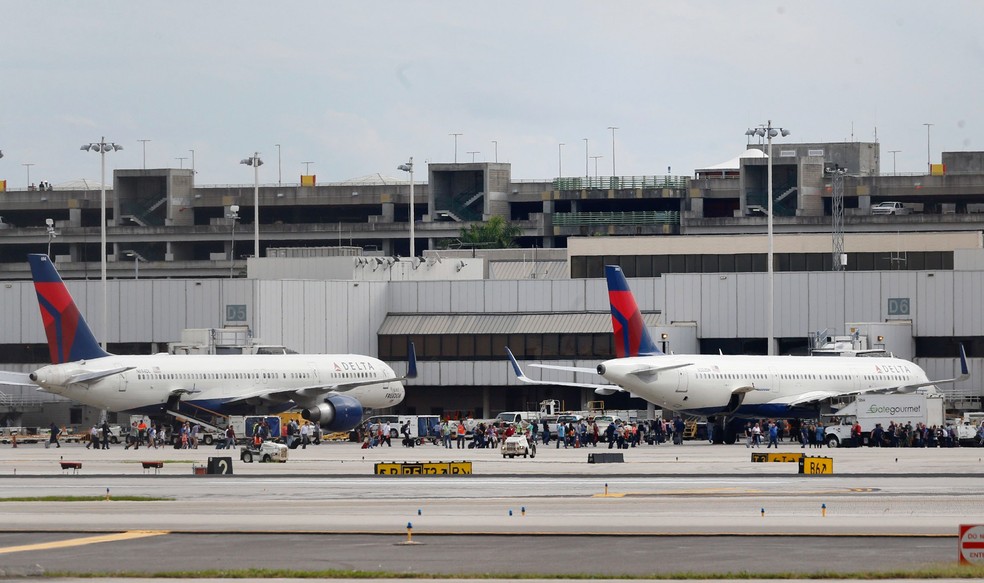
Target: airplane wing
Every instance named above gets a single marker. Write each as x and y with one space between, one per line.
565 368
600 389
21 378
95 375
650 370
16 378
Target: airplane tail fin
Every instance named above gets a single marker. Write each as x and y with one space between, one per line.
631 336
69 337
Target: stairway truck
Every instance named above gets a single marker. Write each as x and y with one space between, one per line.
873 410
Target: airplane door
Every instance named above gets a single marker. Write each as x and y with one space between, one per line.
682 381
314 372
121 380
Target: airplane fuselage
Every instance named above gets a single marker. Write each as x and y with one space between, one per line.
707 385
212 381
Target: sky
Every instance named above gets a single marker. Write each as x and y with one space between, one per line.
356 88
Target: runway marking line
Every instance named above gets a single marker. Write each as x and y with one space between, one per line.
734 492
86 540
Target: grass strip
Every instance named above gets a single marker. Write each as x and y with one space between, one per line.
929 572
84 499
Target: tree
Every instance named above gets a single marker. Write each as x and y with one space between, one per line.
495 233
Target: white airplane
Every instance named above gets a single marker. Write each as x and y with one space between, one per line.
730 387
330 389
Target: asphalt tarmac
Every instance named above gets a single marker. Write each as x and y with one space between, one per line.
693 508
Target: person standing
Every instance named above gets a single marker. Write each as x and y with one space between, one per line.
230 437
461 435
93 438
446 434
773 435
305 435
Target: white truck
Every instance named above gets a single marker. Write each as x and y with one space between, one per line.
967 429
517 416
871 410
890 208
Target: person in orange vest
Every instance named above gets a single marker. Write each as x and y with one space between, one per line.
461 435
141 433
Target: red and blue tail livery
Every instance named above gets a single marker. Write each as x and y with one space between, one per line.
631 336
69 337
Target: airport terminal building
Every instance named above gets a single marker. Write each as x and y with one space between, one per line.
330 276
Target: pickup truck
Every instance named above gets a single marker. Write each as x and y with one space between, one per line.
890 208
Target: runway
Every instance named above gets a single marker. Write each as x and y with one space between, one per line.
667 509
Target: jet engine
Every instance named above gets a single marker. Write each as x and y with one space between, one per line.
337 413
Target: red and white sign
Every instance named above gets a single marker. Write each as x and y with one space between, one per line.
971 545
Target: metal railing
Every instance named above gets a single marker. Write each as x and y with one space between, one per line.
619 182
616 218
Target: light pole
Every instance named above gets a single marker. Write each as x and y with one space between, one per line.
929 162
455 147
50 226
769 132
307 168
495 150
144 142
560 160
408 167
893 153
473 154
613 128
192 162
595 158
280 181
255 162
28 166
181 161
586 174
102 147
234 215
137 258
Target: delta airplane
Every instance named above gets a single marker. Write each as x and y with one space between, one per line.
330 389
729 387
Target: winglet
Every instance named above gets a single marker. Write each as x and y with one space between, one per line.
515 365
411 361
69 337
631 336
964 369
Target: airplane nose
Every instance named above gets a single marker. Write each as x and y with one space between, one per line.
601 369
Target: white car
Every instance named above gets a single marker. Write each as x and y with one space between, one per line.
890 208
515 445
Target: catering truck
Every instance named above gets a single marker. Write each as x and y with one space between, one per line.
872 410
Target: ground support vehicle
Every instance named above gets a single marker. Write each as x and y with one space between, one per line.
872 410
518 445
890 208
268 451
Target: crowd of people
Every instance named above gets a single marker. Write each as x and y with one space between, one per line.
810 434
580 433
